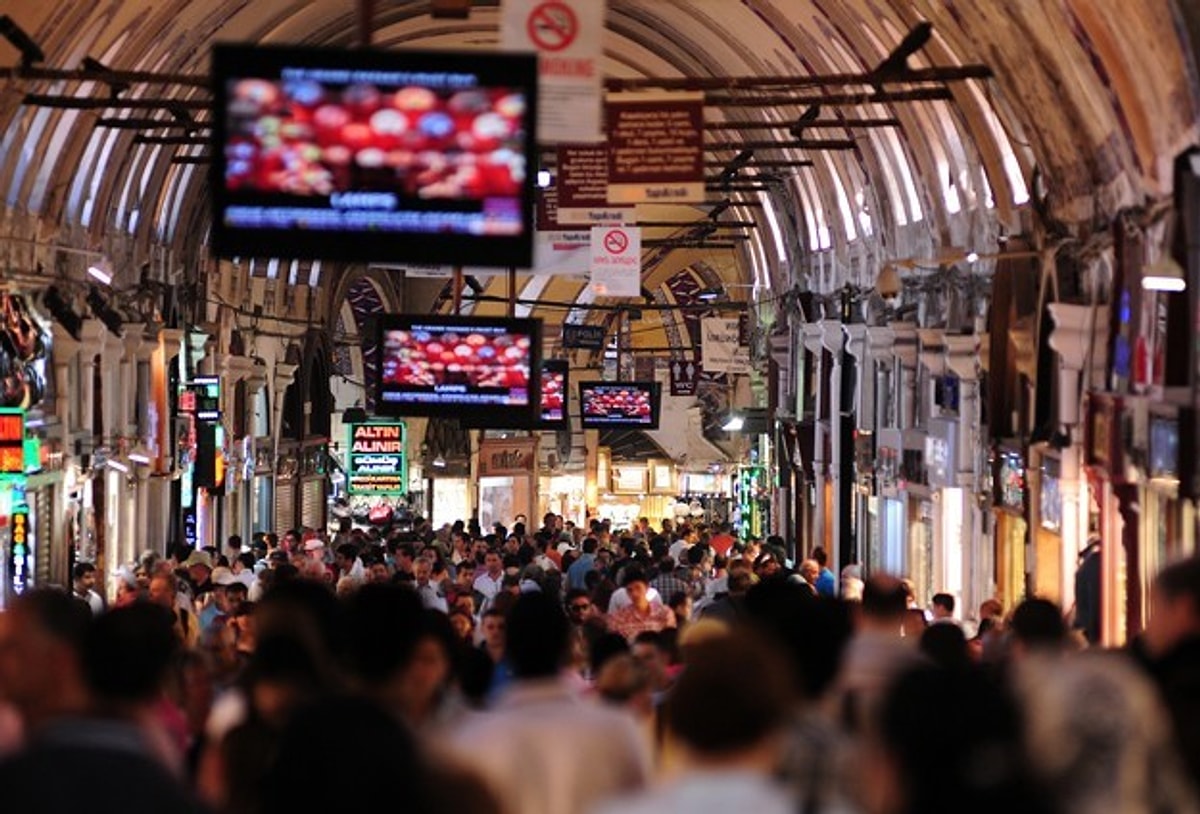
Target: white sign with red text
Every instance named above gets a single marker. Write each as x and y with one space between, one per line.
616 261
567 36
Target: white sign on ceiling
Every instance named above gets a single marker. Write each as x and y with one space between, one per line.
567 36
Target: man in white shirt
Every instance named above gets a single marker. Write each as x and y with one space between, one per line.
491 581
427 589
83 583
544 748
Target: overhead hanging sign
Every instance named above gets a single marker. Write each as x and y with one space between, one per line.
582 183
684 375
588 337
516 456
559 249
655 148
567 36
720 346
377 463
616 261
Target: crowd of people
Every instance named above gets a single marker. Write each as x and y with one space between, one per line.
661 668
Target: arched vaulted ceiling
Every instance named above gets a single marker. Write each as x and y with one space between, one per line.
1097 95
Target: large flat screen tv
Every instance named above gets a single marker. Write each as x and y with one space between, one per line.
366 155
611 405
554 394
479 369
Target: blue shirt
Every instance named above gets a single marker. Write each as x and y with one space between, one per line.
826 583
577 573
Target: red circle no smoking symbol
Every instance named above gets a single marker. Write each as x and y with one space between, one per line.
552 26
616 241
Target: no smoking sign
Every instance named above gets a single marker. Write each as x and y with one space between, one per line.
616 268
616 241
552 26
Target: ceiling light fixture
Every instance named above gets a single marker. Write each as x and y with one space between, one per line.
140 454
734 423
439 462
1165 275
972 257
100 270
117 465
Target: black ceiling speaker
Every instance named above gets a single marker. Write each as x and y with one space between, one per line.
62 312
105 312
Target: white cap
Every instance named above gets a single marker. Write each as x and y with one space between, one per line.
223 576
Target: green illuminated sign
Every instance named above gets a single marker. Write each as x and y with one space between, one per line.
377 460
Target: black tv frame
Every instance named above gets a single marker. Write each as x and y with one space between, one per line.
496 416
235 61
591 422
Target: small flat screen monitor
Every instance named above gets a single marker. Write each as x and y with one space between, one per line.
554 394
1164 447
479 369
368 155
613 405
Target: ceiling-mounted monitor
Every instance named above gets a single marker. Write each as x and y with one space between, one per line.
368 155
480 369
555 374
612 405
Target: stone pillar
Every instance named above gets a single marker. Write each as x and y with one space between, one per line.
1078 329
864 410
66 349
235 370
979 569
813 344
92 338
905 349
127 419
932 346
840 552
880 343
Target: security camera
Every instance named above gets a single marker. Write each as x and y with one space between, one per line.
888 284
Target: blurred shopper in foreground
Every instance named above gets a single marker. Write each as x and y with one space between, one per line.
108 754
729 738
948 742
1170 650
583 752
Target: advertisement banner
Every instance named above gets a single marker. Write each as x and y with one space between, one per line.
655 148
377 463
567 36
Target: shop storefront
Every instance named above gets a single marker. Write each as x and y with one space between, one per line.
507 481
1011 529
1108 439
706 495
1047 525
564 495
949 509
1168 520
887 554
